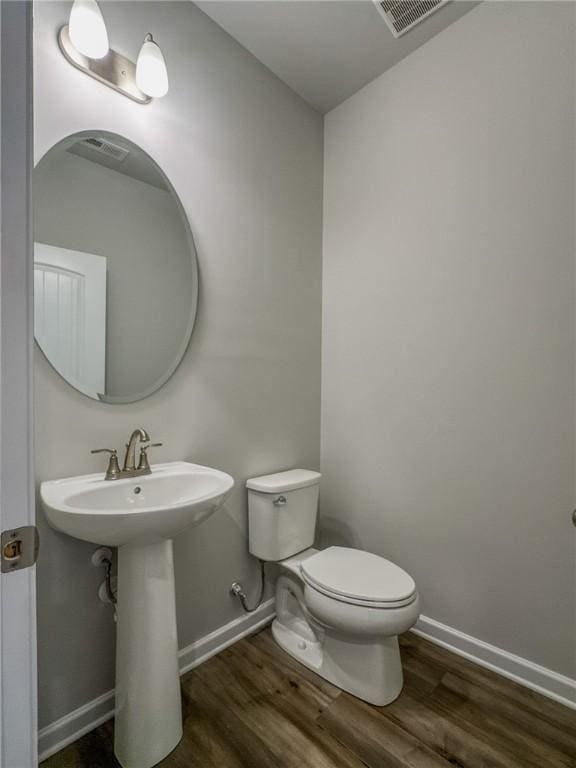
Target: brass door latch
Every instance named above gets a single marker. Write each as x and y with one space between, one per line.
19 548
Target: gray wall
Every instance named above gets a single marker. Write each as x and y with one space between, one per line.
245 155
138 227
448 343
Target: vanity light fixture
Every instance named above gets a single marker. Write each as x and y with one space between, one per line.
84 43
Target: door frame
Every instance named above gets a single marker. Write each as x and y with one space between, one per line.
18 676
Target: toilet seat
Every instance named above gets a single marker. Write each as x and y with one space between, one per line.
359 578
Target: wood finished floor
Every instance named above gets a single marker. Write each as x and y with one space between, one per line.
252 706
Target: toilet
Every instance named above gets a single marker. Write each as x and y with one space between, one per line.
339 611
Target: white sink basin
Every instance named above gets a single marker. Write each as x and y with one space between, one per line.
135 510
140 516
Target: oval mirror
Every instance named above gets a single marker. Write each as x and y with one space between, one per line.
115 270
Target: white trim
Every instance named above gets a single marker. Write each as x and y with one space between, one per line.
72 726
76 724
545 681
200 651
18 686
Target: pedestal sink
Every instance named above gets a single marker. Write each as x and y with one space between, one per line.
140 516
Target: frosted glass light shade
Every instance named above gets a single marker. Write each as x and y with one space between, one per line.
151 72
87 29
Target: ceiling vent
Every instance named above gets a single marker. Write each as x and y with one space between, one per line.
105 147
402 15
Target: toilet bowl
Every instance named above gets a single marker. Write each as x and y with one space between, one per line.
339 611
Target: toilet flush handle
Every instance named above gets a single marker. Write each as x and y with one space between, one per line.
280 501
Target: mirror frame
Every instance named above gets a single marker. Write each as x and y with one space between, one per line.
194 298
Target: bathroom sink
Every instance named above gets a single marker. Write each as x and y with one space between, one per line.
140 515
135 510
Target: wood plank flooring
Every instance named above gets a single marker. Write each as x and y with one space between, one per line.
252 706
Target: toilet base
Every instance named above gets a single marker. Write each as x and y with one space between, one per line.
368 669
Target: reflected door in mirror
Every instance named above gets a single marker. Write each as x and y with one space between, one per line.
70 314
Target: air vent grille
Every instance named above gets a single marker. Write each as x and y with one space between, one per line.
402 15
106 148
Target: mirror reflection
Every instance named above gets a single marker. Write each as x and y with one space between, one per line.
115 271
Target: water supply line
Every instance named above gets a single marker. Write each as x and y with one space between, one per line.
102 558
107 564
238 591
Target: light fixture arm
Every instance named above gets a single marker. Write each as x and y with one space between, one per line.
114 70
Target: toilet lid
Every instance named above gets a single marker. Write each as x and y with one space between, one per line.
357 575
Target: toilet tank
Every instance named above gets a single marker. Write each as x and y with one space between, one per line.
282 512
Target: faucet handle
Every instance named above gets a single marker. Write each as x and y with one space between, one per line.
144 464
113 470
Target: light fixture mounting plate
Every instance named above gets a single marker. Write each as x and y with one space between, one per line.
114 70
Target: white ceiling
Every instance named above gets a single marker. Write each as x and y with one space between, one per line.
325 50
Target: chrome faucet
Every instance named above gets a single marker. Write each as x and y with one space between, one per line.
129 468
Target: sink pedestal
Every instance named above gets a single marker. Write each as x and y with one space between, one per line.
148 708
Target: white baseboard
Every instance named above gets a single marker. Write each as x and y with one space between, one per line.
67 729
545 681
196 653
71 727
